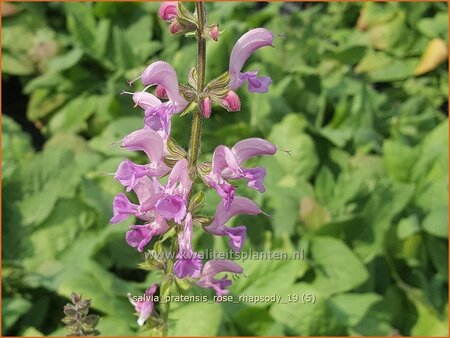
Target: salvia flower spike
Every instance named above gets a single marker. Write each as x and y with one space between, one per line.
165 203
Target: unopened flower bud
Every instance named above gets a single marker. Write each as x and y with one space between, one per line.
161 92
214 32
205 106
175 27
168 10
231 101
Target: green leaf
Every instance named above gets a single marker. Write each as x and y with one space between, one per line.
74 115
312 214
263 274
408 226
395 71
350 308
16 64
16 147
369 243
436 223
65 224
53 174
13 308
81 24
338 268
306 319
196 319
434 27
302 156
44 102
65 61
399 160
428 323
253 321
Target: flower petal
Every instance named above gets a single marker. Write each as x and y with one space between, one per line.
239 206
146 100
128 173
256 84
223 158
251 147
122 208
180 173
168 10
145 313
161 73
214 266
144 189
237 236
150 142
244 47
255 178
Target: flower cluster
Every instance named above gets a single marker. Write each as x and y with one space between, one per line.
171 205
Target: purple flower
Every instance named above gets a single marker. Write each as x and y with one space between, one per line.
144 304
214 32
205 106
123 208
242 50
140 235
168 10
171 200
226 164
212 268
237 235
145 100
157 113
188 262
150 142
231 101
161 73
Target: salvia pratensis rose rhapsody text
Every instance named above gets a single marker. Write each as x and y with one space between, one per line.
171 211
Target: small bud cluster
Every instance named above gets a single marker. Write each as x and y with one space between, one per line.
78 321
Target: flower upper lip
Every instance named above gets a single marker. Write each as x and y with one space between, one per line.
242 50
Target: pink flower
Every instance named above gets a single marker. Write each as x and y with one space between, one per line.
188 262
170 201
161 73
212 268
151 143
139 236
226 164
157 113
237 235
205 106
123 208
175 27
144 305
168 10
231 101
214 32
242 50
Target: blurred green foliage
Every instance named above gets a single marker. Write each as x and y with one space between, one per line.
358 110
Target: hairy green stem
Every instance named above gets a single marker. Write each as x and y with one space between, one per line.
194 144
194 150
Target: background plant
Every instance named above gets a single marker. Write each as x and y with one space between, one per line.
364 190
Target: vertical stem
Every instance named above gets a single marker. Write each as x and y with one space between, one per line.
194 149
194 144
